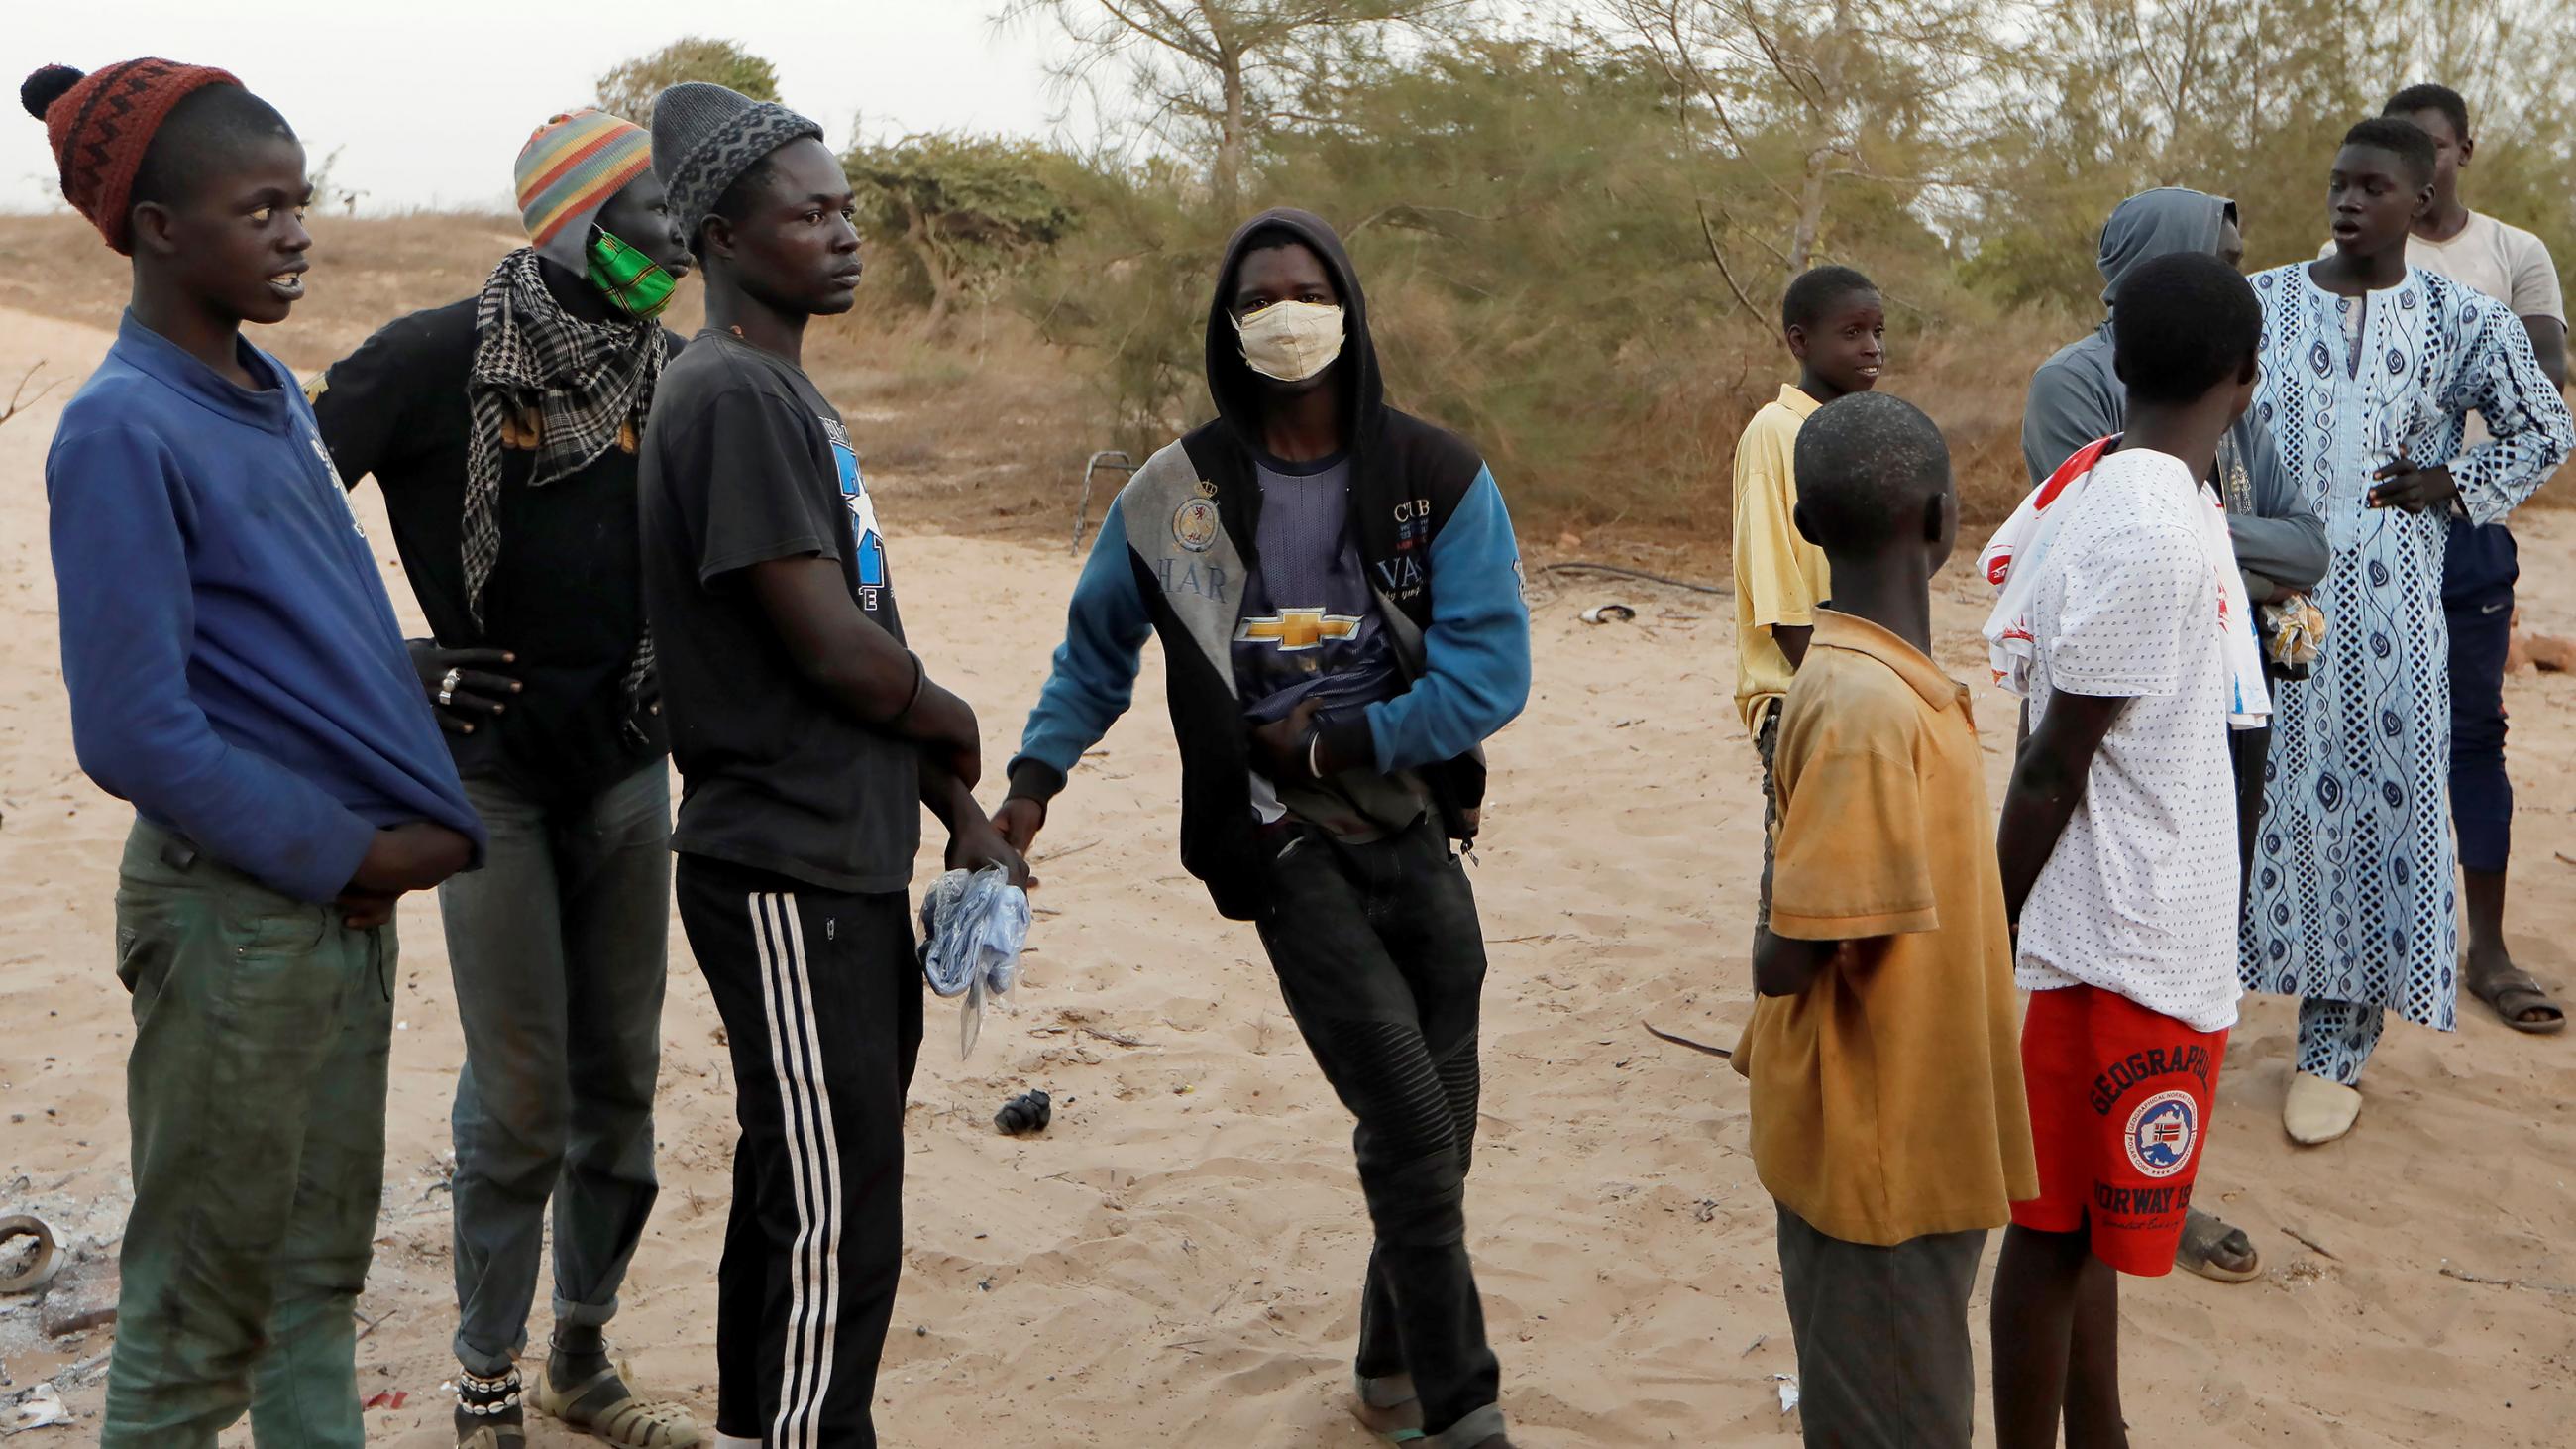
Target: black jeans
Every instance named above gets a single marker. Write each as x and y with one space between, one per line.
821 1000
1382 961
2247 754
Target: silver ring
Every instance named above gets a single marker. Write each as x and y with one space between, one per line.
446 696
451 679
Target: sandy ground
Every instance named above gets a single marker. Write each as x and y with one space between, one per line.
1176 1261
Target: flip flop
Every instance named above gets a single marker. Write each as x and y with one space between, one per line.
2202 1233
603 1407
2511 992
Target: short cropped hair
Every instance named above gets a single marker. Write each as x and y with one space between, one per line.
742 194
2429 97
1865 463
2399 137
2185 324
201 138
1816 291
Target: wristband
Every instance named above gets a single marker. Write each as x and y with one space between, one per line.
920 679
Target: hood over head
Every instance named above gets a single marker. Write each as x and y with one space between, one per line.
1237 389
2158 223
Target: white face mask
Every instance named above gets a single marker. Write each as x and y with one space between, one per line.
1291 341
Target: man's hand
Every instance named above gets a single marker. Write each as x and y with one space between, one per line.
2403 485
365 910
462 683
1020 820
410 857
975 842
1284 746
944 726
1793 640
1785 967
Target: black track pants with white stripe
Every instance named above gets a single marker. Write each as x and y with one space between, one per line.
821 999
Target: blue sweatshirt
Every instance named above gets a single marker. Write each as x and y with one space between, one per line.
1475 675
234 664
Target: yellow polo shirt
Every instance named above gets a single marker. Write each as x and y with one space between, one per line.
1887 1098
1779 577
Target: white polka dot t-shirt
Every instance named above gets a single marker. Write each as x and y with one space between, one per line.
2141 895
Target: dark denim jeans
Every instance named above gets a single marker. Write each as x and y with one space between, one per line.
560 950
1381 958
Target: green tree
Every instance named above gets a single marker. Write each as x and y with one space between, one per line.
1212 73
629 89
1811 108
2248 99
1538 274
965 211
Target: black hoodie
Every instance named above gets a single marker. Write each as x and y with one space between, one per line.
1176 545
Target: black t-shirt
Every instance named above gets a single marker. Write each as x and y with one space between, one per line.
566 594
744 462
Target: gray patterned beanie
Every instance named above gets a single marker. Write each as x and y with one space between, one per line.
705 136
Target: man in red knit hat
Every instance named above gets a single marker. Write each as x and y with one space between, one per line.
503 430
236 672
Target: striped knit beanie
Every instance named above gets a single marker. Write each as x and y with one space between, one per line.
100 125
571 167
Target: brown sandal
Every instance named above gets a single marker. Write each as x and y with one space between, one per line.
2512 992
605 1408
2202 1235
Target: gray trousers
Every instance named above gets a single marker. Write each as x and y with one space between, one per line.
560 948
1882 1334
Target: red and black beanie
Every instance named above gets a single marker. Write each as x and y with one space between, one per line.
100 124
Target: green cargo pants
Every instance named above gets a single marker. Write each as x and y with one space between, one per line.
256 1092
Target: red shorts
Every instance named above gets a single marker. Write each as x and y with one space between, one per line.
2119 1107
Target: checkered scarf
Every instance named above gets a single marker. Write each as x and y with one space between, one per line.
567 389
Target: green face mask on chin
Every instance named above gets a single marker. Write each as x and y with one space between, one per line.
632 282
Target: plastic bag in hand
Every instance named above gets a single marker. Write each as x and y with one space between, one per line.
973 925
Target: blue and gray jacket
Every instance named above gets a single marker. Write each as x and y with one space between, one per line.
2076 396
1170 561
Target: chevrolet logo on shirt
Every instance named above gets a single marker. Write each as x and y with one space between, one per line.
1298 629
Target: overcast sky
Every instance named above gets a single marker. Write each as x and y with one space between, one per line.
430 103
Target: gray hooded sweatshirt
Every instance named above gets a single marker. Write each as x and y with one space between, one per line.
2075 397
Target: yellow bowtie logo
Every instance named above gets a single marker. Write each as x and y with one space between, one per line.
1297 629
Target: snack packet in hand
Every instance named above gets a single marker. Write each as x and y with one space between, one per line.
2294 635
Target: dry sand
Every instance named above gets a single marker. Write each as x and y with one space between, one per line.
1177 1261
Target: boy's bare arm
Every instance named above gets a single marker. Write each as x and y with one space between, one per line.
2047 784
860 667
1793 640
2549 344
1785 966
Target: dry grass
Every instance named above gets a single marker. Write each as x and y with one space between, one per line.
366 273
983 428
978 430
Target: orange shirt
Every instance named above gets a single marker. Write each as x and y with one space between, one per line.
1887 1098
